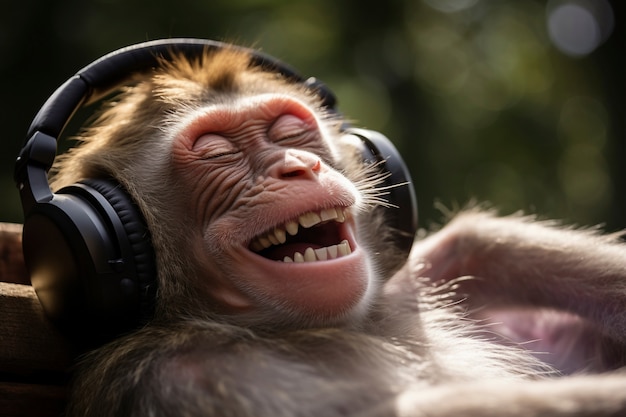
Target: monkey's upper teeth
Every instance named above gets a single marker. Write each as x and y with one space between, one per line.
311 219
279 234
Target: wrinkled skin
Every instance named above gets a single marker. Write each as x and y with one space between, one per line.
261 157
241 176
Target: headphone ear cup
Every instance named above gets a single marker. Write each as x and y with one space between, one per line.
90 258
376 148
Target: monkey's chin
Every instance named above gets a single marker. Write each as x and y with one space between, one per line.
322 288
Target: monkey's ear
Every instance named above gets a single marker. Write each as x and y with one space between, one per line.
376 150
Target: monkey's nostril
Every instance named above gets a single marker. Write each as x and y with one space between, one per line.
294 173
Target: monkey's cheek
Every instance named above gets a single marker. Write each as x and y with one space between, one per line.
323 288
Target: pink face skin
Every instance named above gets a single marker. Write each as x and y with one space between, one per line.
250 168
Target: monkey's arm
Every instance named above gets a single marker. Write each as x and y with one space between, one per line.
518 262
585 396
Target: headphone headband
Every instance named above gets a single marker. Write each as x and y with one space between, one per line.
104 75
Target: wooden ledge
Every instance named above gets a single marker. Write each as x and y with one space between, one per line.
12 267
29 344
34 356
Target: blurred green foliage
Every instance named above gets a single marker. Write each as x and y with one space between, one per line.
480 97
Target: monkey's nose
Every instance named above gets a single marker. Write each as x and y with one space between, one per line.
297 164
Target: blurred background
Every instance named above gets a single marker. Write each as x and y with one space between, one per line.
519 103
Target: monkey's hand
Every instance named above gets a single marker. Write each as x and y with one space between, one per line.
519 262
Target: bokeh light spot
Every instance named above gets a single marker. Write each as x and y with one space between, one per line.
577 28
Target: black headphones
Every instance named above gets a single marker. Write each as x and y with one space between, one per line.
87 247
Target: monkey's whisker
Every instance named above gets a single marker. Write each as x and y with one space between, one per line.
372 191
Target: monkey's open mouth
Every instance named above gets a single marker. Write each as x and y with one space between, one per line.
314 236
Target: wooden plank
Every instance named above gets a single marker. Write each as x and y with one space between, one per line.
31 400
12 267
34 356
29 343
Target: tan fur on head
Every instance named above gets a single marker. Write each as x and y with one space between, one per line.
181 79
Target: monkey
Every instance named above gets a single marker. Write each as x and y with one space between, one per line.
281 293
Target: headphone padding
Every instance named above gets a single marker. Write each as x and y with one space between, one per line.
140 244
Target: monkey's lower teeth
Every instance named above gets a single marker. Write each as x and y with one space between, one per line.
321 254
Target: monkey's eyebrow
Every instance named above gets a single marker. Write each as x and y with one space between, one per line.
221 117
267 105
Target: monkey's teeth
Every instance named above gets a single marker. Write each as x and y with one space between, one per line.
281 235
256 246
328 214
272 238
292 228
336 214
321 254
341 216
332 251
343 248
309 255
309 220
278 236
265 242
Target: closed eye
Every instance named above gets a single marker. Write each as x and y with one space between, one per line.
289 129
211 145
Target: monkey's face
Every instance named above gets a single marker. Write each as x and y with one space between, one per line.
275 222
